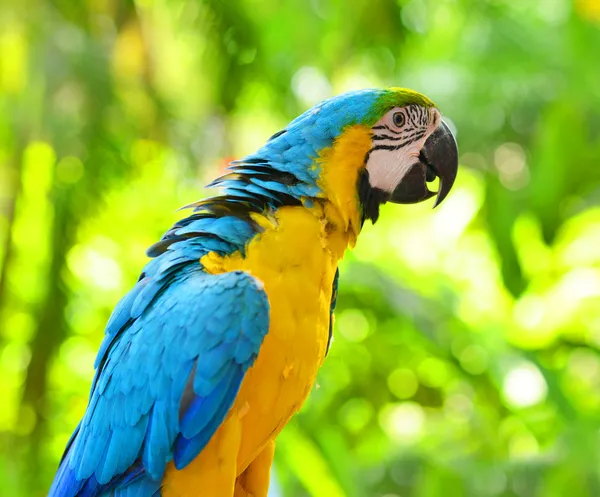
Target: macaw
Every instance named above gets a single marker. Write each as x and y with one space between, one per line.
219 342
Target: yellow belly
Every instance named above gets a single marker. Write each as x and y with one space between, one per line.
296 259
297 272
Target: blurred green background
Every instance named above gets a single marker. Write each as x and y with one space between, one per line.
466 359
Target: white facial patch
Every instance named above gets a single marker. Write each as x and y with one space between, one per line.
398 138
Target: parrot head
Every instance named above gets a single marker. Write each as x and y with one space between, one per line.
410 147
355 151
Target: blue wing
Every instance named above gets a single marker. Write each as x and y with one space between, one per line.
168 371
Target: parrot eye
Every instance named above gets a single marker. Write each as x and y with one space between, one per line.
399 119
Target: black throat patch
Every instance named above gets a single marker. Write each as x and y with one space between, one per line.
370 198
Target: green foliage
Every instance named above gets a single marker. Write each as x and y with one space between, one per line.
466 357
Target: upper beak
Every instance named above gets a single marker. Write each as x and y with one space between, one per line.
438 157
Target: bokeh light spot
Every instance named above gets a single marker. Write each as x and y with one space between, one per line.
509 159
353 325
404 421
356 413
403 383
69 170
310 85
474 359
433 372
524 386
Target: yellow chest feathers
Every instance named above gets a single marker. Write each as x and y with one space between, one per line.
295 258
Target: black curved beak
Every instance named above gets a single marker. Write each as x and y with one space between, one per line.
438 158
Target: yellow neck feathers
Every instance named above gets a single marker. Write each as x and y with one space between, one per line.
341 165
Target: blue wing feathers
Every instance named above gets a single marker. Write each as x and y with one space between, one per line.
139 488
193 422
157 446
186 448
158 334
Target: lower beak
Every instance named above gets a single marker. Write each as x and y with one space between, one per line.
438 158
